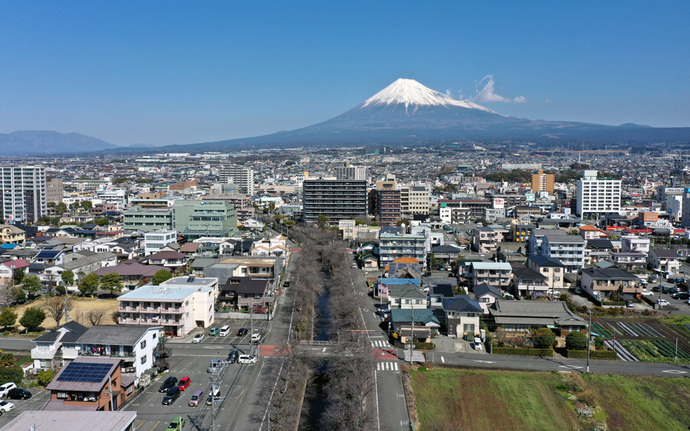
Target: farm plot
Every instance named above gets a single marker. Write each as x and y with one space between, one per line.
645 340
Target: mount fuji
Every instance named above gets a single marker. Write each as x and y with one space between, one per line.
407 112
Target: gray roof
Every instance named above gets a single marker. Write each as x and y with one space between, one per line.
86 260
554 313
462 304
70 385
74 331
70 420
528 274
545 261
122 335
484 289
424 315
407 290
666 253
203 262
612 273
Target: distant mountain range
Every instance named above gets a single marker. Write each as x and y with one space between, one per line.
47 142
406 112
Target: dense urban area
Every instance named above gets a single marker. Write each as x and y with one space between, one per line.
347 288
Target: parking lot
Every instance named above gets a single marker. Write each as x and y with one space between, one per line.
36 402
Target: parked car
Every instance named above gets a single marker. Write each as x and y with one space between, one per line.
656 288
256 337
197 338
662 302
669 289
629 304
225 330
477 344
246 359
197 396
214 366
213 331
184 383
172 394
554 292
4 389
168 383
681 295
18 394
233 356
6 406
646 292
242 332
176 424
214 394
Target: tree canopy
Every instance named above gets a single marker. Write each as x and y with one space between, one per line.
7 317
161 276
89 284
576 341
32 284
32 318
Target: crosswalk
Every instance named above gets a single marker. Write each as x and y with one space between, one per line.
387 366
380 344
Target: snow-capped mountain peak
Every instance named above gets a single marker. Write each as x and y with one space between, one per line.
410 92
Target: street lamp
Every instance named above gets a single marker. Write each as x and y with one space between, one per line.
589 337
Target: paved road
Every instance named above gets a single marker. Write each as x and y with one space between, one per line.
16 344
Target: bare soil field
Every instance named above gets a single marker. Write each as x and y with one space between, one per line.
79 312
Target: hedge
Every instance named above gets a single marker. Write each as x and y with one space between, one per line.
594 354
613 303
521 351
423 346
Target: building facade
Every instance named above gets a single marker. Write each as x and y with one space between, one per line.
597 195
542 182
414 201
243 177
335 199
22 194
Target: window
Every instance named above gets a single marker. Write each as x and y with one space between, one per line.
144 358
62 395
130 388
143 344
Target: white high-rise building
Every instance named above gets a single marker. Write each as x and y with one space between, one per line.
597 195
22 194
242 177
347 172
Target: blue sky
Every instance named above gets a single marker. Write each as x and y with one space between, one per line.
173 72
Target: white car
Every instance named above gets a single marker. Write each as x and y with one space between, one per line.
197 338
256 337
247 359
556 293
662 302
646 292
4 389
6 406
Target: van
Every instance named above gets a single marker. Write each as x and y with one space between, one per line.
224 331
197 396
246 359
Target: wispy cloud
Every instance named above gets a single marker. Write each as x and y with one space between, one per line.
487 93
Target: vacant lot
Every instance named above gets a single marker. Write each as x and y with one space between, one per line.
79 311
448 399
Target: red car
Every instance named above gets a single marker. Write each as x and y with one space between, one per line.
184 383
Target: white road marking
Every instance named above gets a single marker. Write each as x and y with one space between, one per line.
577 367
443 361
485 362
674 371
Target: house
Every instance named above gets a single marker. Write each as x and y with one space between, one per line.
253 224
393 246
630 261
438 293
404 267
485 239
600 282
154 241
255 266
244 293
382 287
486 295
406 296
462 316
634 243
369 261
82 262
446 253
497 274
49 256
275 246
11 234
526 315
528 283
552 269
131 270
7 269
179 305
664 260
418 325
168 259
597 250
90 384
49 352
588 232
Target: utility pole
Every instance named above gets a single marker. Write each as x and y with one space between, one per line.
412 334
589 336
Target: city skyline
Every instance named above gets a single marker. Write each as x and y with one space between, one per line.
178 73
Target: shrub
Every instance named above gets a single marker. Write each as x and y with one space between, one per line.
32 318
12 373
576 341
521 351
45 377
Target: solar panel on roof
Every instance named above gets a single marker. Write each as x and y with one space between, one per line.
84 372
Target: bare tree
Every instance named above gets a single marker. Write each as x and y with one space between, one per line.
57 306
95 317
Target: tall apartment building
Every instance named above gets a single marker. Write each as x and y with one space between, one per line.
243 177
335 199
597 195
347 172
414 201
542 182
387 201
22 194
54 190
394 246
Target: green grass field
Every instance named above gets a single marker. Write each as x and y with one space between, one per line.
448 399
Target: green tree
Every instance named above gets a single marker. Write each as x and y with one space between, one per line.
18 294
111 282
544 338
321 221
7 317
18 275
32 284
45 377
7 360
13 373
32 318
67 277
61 208
89 284
86 205
103 221
576 341
161 276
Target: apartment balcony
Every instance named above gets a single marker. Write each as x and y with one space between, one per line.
42 353
170 310
122 309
